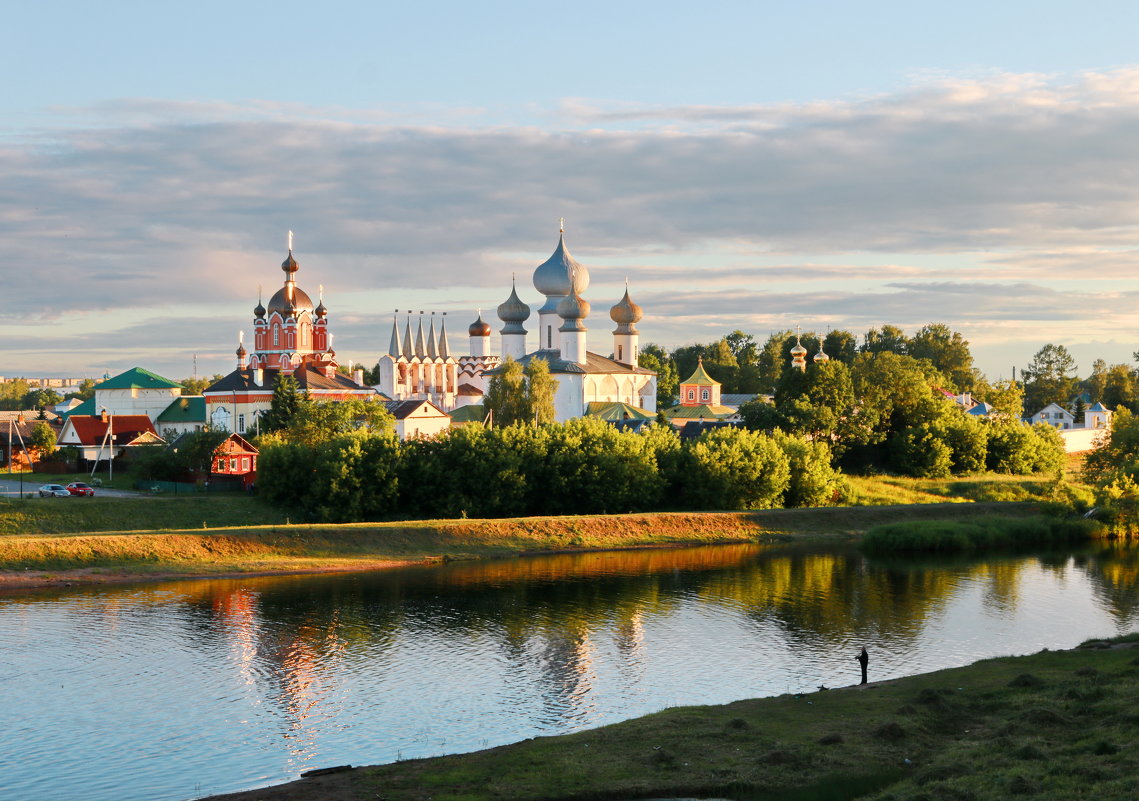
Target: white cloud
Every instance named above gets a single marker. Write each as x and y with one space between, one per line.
1007 178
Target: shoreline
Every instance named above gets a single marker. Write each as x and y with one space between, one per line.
231 552
983 730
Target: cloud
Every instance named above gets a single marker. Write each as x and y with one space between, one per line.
882 203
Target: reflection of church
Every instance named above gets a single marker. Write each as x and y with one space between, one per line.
424 368
290 337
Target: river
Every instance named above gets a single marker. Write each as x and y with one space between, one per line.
163 692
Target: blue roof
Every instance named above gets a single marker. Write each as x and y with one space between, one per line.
1097 407
982 409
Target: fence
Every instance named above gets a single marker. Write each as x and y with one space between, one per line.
190 487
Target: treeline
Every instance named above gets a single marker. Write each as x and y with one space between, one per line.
743 365
583 466
886 411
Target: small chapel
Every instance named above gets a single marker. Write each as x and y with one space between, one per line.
422 367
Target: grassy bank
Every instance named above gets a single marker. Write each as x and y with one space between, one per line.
970 536
1051 726
224 550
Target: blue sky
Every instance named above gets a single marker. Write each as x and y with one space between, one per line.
745 165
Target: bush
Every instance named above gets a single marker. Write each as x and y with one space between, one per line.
813 481
732 468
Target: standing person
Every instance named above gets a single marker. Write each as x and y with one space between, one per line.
863 659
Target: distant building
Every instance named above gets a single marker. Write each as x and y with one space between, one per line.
235 458
699 400
107 436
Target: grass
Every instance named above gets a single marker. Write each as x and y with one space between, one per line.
987 487
35 538
1051 726
961 536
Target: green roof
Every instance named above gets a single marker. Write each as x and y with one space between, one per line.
699 376
137 378
87 407
471 413
704 410
615 410
187 409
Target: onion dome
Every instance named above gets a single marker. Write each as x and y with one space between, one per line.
559 274
798 350
241 351
513 312
821 356
321 310
626 314
289 265
573 308
479 328
259 311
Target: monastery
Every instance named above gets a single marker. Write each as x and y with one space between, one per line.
588 382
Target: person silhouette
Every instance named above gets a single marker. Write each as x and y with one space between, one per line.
863 659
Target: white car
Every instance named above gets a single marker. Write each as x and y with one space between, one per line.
54 491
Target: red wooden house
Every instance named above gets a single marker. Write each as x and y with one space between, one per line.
235 458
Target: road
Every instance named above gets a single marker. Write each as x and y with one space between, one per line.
11 488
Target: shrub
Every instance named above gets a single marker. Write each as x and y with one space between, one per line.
733 468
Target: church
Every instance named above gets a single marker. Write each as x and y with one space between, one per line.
290 337
588 383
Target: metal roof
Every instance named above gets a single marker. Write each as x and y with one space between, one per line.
137 378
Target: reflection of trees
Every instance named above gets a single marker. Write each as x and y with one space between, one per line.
1114 572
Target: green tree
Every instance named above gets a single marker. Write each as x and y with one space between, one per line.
85 390
1049 378
947 351
732 468
1120 388
540 390
841 345
505 397
12 394
41 398
887 338
655 358
1005 396
198 384
1095 384
286 401
42 439
321 421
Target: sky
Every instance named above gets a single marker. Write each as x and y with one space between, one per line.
752 166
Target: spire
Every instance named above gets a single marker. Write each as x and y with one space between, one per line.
444 346
420 350
394 348
432 350
408 352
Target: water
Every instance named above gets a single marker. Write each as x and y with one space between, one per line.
172 691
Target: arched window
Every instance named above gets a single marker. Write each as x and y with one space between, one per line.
705 394
276 336
691 394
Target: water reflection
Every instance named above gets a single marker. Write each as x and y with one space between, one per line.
201 687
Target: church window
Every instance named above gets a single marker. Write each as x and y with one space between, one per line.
549 336
705 395
276 336
241 424
620 353
691 394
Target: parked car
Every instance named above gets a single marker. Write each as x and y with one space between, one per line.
54 491
79 488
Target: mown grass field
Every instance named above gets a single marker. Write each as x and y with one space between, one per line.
1052 726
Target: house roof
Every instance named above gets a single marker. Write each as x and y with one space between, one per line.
981 409
470 390
615 410
704 410
86 407
700 376
186 409
1097 407
1054 406
737 399
402 409
234 443
471 413
694 430
594 363
125 428
10 422
138 378
307 379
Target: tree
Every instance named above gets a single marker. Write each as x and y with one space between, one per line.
540 390
1095 384
86 390
947 350
12 394
1049 378
505 397
41 398
655 358
841 345
283 406
42 439
320 421
1005 396
732 468
887 338
198 385
1120 389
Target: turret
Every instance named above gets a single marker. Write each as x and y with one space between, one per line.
573 309
626 337
479 333
513 312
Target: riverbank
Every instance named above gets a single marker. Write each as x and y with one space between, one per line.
227 551
1053 725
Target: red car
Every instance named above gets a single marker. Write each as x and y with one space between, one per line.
79 488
